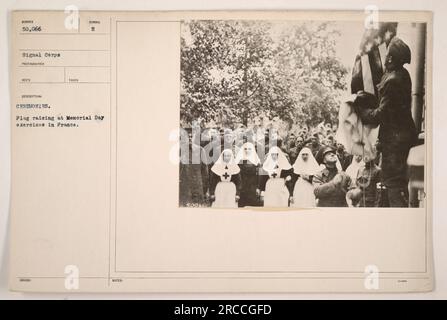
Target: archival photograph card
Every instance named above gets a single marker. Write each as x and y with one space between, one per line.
236 151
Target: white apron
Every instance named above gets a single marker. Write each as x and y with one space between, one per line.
303 194
225 194
276 193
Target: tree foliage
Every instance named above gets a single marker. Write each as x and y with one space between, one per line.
233 71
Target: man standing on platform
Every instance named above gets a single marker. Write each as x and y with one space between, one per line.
397 133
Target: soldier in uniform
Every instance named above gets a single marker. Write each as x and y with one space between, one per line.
397 133
330 184
364 192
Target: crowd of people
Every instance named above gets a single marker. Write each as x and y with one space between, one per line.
258 167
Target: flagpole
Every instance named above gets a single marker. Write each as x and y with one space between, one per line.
419 78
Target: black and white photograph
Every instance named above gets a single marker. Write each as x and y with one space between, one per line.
302 114
228 152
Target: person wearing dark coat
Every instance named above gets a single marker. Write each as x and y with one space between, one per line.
330 185
262 144
299 145
365 190
397 133
313 144
193 175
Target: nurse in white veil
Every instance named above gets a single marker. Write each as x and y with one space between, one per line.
305 167
225 181
277 172
249 163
